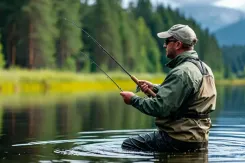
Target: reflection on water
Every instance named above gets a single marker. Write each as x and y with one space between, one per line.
92 127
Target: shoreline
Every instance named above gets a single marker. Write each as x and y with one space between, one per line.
46 81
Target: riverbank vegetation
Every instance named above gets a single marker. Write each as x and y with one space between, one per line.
38 81
40 49
47 81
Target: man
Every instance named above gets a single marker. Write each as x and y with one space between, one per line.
183 101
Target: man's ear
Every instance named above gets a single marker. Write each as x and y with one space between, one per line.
178 45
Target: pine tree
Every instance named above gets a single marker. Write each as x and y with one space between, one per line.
42 33
10 25
69 40
144 9
144 37
107 33
115 9
128 40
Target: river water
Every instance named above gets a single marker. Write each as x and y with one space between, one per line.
91 127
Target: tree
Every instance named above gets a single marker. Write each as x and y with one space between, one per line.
144 9
107 33
41 21
69 41
2 62
148 51
128 40
117 51
11 15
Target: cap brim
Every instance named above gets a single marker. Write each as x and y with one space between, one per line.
164 35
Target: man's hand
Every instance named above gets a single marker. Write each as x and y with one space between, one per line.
127 96
145 85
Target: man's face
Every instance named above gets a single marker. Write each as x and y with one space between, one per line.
169 44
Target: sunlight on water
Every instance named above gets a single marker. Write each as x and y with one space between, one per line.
227 143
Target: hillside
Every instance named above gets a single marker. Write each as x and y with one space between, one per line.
212 17
232 35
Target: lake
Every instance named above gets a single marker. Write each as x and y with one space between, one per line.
90 127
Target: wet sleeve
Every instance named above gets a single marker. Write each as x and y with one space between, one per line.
169 98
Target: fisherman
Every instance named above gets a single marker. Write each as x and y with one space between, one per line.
183 101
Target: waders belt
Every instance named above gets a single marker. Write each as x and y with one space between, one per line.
196 116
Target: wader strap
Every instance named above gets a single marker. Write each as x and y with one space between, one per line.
199 64
204 71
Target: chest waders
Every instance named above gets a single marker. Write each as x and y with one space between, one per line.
161 141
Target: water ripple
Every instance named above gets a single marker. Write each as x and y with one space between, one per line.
226 144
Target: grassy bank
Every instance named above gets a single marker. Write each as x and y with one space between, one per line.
46 81
24 81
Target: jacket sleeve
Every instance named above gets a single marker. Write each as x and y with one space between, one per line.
156 87
171 95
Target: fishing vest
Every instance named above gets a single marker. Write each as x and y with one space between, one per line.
191 123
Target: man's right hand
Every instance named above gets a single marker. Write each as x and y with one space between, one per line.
145 85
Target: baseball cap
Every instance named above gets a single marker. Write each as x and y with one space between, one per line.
180 32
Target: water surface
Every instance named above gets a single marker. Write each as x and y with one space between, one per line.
91 127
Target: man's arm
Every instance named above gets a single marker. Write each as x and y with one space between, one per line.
169 98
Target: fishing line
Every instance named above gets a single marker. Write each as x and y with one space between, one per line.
92 61
95 41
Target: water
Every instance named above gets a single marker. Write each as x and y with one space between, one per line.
91 127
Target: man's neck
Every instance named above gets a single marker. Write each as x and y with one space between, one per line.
180 51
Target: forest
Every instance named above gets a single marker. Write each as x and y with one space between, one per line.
234 61
38 34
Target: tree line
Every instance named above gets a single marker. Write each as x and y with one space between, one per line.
234 61
35 35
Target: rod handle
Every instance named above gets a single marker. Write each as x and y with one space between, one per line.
149 91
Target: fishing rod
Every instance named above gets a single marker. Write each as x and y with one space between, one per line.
92 61
149 91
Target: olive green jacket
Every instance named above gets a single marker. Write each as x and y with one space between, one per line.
183 91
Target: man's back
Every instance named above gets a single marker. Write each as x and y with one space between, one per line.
191 122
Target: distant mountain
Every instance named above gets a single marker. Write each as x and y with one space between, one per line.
233 34
212 17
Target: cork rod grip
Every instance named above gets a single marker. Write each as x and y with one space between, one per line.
137 82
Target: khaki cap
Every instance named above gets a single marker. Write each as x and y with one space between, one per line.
180 32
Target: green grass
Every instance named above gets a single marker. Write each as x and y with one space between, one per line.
48 75
47 81
39 81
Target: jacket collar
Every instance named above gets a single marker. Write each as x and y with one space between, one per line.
181 58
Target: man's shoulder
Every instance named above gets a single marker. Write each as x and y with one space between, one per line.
190 67
189 73
186 69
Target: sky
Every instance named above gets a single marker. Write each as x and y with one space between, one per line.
235 4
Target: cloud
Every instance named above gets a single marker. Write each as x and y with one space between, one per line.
237 4
191 2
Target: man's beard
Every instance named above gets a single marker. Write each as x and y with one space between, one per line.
171 54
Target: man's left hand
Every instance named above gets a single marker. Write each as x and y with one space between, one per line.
127 96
